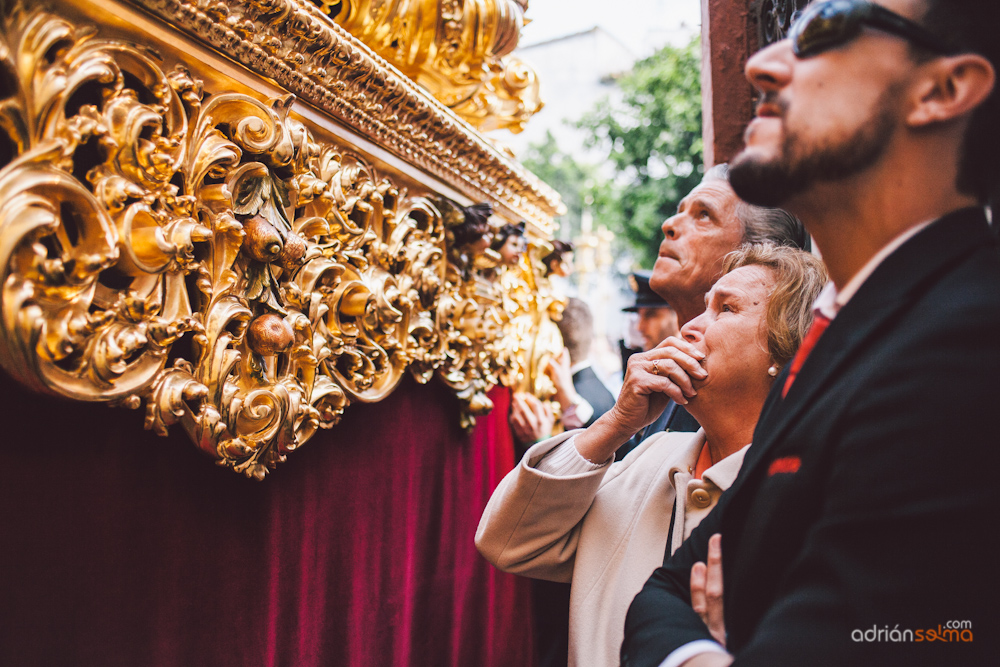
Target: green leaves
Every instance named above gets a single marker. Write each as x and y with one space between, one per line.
653 140
575 181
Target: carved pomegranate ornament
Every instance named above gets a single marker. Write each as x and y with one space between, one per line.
293 251
269 334
262 241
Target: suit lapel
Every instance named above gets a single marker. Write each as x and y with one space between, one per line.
771 404
899 279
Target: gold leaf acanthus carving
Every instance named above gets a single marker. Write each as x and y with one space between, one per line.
202 254
295 44
460 50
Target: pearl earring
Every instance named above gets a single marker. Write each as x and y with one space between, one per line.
773 370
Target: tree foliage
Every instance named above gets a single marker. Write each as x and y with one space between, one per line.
653 139
575 181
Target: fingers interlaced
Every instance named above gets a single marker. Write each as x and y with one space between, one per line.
522 417
530 418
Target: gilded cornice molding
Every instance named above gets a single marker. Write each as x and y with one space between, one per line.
460 50
294 43
201 253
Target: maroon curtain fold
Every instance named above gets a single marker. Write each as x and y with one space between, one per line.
118 547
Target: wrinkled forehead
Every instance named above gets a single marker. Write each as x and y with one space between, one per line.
751 281
714 190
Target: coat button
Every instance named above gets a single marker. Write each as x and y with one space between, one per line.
700 498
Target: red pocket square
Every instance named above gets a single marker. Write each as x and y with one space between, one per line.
787 464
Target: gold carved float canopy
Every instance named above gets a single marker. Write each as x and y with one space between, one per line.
239 218
459 50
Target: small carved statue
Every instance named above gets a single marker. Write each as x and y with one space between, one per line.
469 236
559 262
510 243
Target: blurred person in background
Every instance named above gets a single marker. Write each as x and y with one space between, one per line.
656 320
559 262
581 395
573 369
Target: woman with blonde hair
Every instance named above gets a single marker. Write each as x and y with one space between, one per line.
569 513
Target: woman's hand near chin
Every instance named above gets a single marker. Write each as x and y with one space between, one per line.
652 379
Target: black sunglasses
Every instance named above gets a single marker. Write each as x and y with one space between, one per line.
826 25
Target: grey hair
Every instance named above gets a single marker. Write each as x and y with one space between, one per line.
762 224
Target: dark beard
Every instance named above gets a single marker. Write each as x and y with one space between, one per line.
801 166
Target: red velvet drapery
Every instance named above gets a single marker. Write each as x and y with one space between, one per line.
121 548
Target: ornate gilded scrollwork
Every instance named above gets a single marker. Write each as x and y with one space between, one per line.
532 306
202 254
296 45
460 50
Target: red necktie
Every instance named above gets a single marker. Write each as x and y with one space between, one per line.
820 322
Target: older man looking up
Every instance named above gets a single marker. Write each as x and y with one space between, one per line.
865 512
710 223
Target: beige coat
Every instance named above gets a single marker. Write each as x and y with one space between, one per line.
605 531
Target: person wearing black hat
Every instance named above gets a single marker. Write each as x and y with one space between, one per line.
657 321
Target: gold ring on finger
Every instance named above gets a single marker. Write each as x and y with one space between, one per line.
656 370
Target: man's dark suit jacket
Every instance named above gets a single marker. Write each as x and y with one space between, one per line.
588 385
869 499
673 418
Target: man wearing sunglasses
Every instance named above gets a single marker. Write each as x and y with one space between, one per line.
861 529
